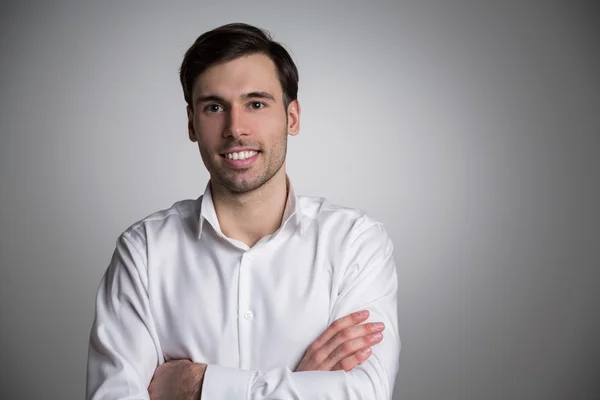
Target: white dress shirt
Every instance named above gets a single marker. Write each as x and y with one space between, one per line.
178 288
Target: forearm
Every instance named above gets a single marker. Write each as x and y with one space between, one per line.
367 381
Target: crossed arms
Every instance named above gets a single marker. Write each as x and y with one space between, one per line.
125 361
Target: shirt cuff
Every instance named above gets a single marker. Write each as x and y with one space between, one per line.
225 383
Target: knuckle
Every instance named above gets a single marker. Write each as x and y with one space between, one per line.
345 335
334 326
338 324
345 348
319 356
336 354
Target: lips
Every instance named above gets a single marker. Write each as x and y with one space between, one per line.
239 155
240 163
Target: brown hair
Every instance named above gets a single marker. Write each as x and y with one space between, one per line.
232 41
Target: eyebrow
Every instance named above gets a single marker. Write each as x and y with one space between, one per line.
245 96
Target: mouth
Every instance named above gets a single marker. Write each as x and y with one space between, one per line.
239 155
240 159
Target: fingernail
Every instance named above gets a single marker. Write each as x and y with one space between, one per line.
363 313
379 325
366 351
377 336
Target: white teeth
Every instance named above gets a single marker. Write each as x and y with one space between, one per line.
242 155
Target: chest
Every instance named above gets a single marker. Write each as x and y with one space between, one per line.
252 309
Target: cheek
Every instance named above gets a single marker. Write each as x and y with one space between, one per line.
209 123
208 130
268 125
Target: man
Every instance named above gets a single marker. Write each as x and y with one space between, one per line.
249 291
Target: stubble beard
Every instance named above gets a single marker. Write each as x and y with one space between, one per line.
228 178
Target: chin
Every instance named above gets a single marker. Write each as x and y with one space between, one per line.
242 188
238 185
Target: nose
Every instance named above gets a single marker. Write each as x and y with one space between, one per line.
237 125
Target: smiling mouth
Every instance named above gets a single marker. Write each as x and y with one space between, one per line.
240 155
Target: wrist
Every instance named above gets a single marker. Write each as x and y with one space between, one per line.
197 379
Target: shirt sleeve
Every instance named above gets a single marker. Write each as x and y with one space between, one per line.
369 282
123 349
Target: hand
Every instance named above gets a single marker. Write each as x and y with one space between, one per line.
343 345
177 379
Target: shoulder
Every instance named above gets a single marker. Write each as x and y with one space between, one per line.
180 217
349 225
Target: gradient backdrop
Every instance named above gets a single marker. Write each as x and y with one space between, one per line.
471 129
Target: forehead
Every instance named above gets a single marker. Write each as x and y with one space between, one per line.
256 72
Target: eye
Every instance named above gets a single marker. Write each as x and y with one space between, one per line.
257 105
213 108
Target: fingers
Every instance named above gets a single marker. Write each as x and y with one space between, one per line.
340 345
364 339
348 363
326 352
337 326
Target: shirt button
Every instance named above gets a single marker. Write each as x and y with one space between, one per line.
248 315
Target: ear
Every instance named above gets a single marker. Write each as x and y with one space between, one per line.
191 132
293 114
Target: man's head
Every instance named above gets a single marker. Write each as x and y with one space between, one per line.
241 91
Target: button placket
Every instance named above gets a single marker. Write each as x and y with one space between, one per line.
245 315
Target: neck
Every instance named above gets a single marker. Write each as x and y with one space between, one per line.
248 217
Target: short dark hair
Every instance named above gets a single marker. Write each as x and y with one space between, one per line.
232 41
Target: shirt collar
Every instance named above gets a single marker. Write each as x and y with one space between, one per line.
291 214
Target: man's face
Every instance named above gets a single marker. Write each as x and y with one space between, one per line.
240 122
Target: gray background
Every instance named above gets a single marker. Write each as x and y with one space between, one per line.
470 129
